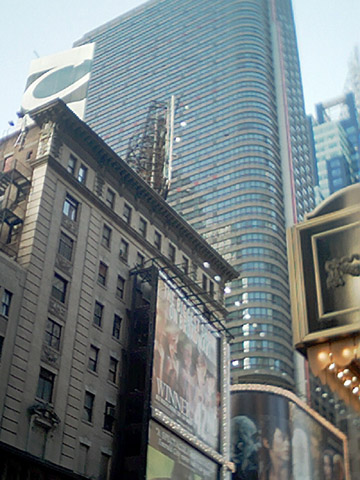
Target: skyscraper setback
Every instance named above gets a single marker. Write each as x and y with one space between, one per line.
241 171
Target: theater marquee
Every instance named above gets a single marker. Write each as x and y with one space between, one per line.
324 263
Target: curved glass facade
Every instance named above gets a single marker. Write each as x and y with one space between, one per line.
242 169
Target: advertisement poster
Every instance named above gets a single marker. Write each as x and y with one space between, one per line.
185 382
169 458
272 437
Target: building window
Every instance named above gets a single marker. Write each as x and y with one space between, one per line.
204 282
142 227
116 327
157 240
113 370
124 250
110 198
59 287
120 287
71 165
83 459
98 313
185 265
102 273
53 334
93 358
88 406
45 386
211 288
127 213
70 208
172 252
105 466
106 236
82 174
140 260
13 233
5 303
66 245
109 417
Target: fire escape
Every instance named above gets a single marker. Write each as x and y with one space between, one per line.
14 188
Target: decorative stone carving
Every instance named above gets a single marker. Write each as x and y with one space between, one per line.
57 309
44 415
49 356
45 141
69 224
336 268
63 264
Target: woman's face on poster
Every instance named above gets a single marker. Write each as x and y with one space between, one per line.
281 446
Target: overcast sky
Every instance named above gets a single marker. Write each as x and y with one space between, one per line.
327 32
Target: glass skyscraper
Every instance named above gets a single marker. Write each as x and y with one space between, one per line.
242 171
336 135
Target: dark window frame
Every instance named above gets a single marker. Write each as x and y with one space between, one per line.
116 330
140 260
59 293
113 370
89 401
6 303
106 236
124 250
120 286
66 246
157 240
110 198
82 174
143 227
93 359
98 314
185 265
172 252
102 274
71 166
109 417
53 334
127 213
46 384
71 207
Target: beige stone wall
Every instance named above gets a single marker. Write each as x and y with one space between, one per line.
74 443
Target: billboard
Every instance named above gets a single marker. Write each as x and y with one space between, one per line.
185 377
275 436
63 75
169 458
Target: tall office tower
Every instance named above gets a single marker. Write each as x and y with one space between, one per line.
241 172
337 145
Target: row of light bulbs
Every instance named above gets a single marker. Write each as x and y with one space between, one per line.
345 375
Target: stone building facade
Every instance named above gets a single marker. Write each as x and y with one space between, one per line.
75 222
